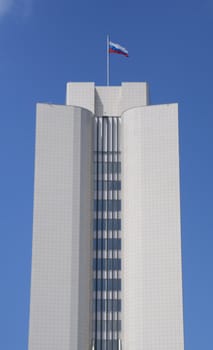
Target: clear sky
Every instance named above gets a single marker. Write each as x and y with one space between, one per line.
44 44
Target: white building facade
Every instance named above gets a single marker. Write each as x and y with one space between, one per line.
106 264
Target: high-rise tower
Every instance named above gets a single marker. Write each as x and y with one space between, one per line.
106 265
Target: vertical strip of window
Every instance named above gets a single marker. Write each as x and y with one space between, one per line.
107 266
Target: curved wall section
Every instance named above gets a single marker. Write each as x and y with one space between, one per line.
60 310
151 245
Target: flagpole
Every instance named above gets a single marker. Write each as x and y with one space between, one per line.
108 60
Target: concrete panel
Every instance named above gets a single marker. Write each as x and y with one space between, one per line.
114 100
134 95
81 95
60 309
151 255
107 100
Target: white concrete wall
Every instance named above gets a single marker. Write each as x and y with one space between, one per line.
151 241
134 95
60 309
81 95
107 100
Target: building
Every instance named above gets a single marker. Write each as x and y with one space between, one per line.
106 265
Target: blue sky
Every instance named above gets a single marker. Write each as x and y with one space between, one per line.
44 44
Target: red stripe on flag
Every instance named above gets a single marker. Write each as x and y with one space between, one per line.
118 52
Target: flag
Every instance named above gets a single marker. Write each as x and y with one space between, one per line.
116 48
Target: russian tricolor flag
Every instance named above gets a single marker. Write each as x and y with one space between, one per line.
116 48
